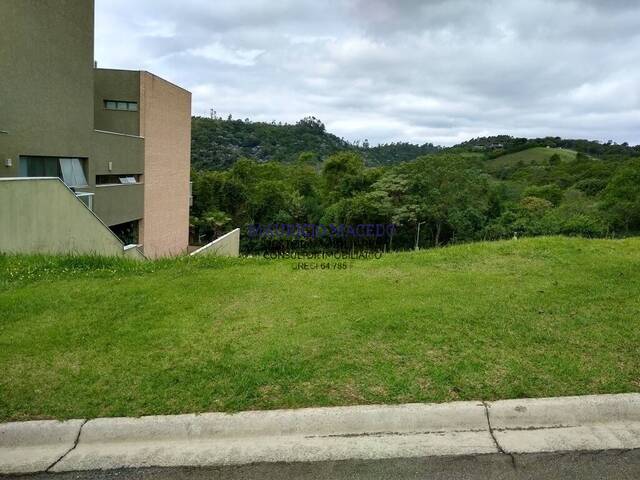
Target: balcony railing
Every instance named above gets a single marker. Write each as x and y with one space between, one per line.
86 198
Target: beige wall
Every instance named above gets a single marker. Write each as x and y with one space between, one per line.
165 123
44 216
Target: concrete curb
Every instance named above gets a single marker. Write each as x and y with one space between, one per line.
35 446
588 423
598 422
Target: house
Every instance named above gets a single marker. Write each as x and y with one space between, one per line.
118 140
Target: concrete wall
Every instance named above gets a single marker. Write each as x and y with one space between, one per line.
226 246
47 99
46 84
116 204
126 154
44 216
49 106
119 203
165 123
121 85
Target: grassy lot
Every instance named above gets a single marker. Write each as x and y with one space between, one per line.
526 318
531 155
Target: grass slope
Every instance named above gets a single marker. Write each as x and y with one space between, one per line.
531 155
526 318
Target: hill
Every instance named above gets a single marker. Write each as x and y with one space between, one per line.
217 144
499 145
538 155
528 318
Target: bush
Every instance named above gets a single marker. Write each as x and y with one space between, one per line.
552 193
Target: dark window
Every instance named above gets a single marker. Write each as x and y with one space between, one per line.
124 179
127 232
121 105
40 167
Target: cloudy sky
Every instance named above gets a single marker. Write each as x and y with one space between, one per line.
438 71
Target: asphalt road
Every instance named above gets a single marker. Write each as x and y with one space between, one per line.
610 464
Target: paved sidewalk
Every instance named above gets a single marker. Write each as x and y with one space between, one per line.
471 435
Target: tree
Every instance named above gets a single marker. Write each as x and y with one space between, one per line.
312 124
215 221
551 193
535 206
451 195
342 174
621 199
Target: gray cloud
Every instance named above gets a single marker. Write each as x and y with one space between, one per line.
394 70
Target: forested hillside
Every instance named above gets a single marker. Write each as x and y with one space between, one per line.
248 173
217 144
454 196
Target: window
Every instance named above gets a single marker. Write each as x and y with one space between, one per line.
70 170
121 105
128 233
125 179
40 167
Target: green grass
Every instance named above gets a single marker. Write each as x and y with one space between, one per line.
531 155
527 318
